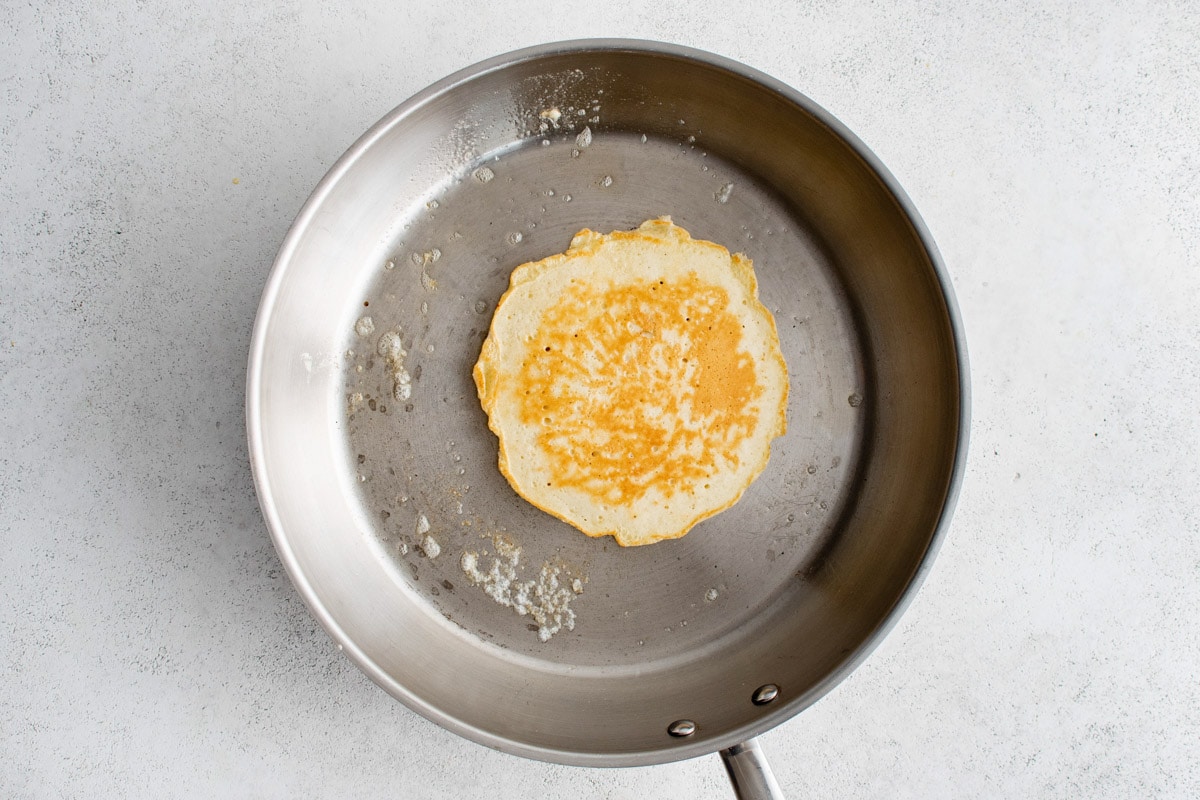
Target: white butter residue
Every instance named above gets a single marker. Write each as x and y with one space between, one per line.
545 598
422 525
427 282
431 547
427 257
584 138
365 326
321 361
392 349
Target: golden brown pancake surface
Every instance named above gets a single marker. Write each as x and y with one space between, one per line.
635 382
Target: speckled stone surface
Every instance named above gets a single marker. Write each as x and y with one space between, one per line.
152 155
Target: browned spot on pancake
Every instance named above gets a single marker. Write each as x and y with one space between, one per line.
633 387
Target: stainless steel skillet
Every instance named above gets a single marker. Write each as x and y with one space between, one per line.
377 473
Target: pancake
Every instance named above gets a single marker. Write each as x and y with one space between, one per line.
635 382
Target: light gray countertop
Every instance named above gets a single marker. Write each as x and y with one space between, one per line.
152 156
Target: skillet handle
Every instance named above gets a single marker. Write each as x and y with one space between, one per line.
750 773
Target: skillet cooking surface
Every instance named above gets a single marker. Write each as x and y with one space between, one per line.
638 604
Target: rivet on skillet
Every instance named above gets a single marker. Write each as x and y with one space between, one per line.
681 728
765 694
